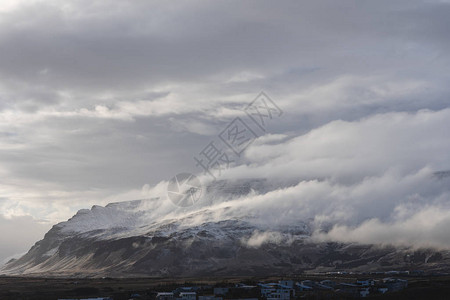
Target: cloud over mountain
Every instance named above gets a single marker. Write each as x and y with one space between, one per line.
103 101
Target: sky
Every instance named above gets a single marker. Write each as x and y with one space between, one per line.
104 101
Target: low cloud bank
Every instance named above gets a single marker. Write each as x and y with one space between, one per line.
366 181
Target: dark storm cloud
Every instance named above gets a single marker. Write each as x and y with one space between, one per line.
112 46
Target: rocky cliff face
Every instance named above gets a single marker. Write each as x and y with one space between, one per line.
130 239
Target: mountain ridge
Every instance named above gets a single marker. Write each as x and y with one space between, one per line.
133 238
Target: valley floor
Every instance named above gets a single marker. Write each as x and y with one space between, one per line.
18 288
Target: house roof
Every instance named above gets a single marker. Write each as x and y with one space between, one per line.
188 293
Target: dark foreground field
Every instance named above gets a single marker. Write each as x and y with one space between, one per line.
18 288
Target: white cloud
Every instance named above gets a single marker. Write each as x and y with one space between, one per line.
259 238
426 228
353 150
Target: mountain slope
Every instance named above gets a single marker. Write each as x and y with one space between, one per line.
135 239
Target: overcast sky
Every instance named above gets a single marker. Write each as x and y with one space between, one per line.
102 100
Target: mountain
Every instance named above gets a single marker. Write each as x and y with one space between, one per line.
153 238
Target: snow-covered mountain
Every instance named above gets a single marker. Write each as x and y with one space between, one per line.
144 238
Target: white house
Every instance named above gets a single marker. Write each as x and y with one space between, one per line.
164 296
188 296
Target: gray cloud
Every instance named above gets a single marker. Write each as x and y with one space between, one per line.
18 235
99 98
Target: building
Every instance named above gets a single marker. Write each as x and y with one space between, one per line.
101 298
183 289
267 289
329 283
302 288
309 283
283 294
221 291
210 297
273 291
316 285
289 283
364 292
395 284
164 296
365 282
188 296
349 289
